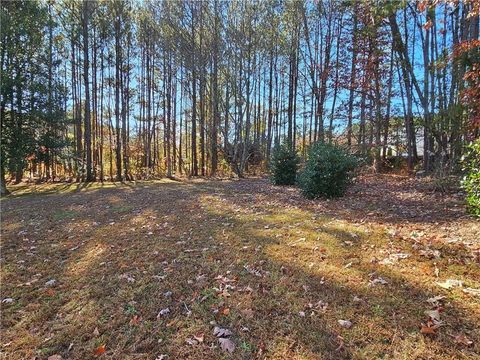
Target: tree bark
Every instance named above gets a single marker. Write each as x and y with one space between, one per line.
86 66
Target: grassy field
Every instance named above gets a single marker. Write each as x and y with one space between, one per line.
150 270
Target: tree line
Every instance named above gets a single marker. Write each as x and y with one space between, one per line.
122 90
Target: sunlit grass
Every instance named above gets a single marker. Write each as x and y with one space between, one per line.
65 188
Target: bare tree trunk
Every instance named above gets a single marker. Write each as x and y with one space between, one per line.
353 79
118 75
101 115
270 106
125 76
194 170
202 89
3 184
169 115
216 95
86 66
336 84
386 125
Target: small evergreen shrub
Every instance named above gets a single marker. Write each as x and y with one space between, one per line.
328 171
471 181
284 165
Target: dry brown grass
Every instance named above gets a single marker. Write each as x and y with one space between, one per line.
276 270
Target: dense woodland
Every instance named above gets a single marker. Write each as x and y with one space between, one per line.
123 90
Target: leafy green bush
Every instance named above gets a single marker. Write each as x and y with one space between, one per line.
283 165
471 181
328 171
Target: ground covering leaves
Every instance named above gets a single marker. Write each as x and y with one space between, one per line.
211 269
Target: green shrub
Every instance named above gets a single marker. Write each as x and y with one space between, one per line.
471 181
328 171
283 165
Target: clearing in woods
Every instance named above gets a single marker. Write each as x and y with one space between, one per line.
148 270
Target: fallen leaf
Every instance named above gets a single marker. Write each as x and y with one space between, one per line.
224 293
433 314
219 332
463 340
163 312
378 280
431 254
394 258
356 299
434 301
55 357
127 277
199 337
99 350
191 341
225 311
430 327
135 320
472 291
427 330
227 345
448 284
345 323
321 305
293 243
